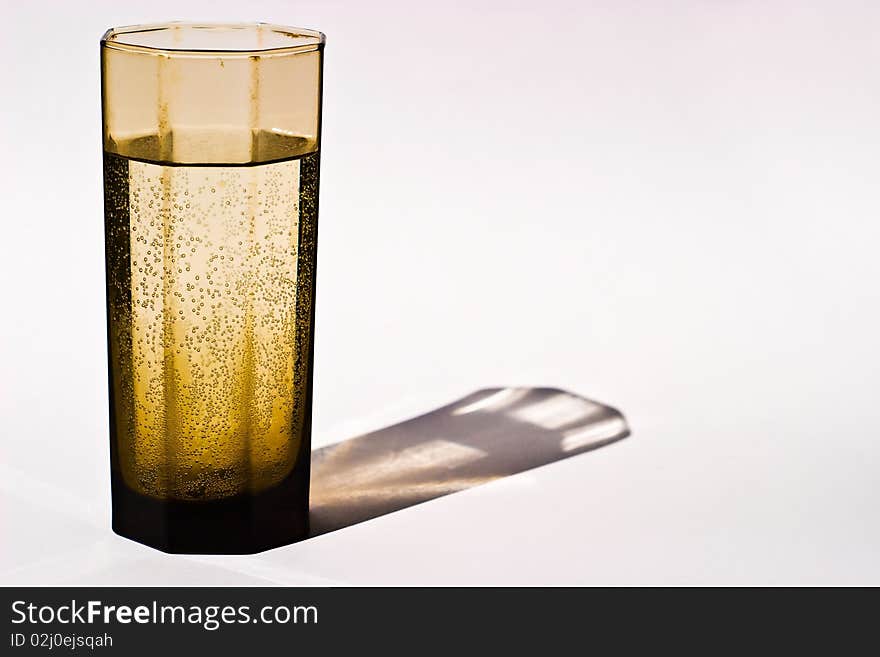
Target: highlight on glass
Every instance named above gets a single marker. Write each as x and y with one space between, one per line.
211 139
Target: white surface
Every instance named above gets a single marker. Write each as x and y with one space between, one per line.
671 207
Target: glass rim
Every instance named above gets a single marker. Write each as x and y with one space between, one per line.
313 39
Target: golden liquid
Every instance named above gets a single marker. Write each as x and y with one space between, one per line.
210 274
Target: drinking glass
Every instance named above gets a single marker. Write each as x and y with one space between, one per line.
211 157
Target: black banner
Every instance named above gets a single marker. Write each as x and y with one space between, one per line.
288 621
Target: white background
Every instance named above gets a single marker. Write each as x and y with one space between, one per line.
671 207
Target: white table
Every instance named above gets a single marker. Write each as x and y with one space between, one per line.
672 209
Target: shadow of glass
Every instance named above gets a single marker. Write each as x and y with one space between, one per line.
484 436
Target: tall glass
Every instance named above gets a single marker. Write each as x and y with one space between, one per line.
211 154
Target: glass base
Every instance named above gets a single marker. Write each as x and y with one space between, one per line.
243 524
